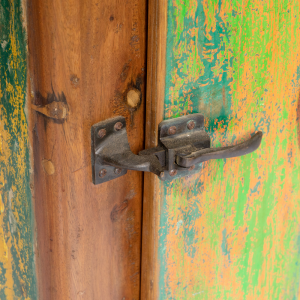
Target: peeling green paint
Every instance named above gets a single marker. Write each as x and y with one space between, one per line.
238 64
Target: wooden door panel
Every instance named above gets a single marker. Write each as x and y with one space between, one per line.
230 232
84 58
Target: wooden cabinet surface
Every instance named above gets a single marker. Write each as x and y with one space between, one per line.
230 231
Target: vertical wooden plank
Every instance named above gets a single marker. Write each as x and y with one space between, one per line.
85 57
17 266
232 231
157 27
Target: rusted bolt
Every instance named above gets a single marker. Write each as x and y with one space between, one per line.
101 133
191 125
102 173
192 168
162 175
118 126
118 171
172 130
173 172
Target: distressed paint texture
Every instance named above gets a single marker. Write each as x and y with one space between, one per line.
17 275
233 230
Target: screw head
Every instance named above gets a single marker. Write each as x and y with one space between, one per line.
162 175
101 133
191 125
172 130
118 171
173 172
102 173
118 126
192 168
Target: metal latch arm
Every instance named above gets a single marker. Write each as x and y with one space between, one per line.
128 160
203 155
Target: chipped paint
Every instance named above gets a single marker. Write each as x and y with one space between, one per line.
232 231
17 279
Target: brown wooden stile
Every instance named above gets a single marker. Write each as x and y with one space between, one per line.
85 56
157 25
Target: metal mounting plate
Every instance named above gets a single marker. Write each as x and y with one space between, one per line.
101 144
183 139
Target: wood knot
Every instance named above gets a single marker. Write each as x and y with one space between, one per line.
133 97
74 80
54 110
48 166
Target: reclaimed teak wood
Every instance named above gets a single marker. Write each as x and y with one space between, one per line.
87 64
232 231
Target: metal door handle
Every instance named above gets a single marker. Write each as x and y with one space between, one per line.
202 155
182 145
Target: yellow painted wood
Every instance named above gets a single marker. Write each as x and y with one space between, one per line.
17 267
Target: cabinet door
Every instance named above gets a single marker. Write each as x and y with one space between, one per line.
231 231
85 56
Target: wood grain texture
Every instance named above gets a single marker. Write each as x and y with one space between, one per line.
232 231
87 55
17 264
157 26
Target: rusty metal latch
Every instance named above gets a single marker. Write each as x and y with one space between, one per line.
182 146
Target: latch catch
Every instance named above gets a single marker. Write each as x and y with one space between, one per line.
182 146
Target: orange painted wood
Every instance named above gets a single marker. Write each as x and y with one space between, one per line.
84 57
231 231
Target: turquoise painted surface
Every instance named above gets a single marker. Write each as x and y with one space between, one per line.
18 278
196 80
232 231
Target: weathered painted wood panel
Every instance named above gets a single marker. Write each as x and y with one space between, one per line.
17 267
232 231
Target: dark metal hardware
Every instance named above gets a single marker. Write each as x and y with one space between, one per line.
223 152
182 146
